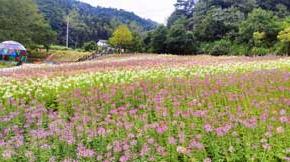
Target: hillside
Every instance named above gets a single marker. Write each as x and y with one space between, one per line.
88 22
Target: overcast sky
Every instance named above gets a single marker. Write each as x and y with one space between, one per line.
157 10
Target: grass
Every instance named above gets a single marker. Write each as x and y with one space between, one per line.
7 64
67 55
58 54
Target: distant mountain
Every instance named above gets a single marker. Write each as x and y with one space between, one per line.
88 22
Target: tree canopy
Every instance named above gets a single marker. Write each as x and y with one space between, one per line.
88 23
122 37
21 21
213 23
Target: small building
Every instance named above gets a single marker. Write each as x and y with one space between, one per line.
103 43
12 51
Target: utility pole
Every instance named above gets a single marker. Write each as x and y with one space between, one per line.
67 31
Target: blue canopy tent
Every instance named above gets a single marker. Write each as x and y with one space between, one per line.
13 51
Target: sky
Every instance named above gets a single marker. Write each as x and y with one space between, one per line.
156 10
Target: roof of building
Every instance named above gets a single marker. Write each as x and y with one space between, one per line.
103 41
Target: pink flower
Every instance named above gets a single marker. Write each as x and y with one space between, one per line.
207 160
124 158
126 147
200 113
69 160
250 123
30 155
101 131
133 112
221 131
40 133
264 116
151 141
117 146
207 128
145 150
266 146
195 144
171 140
161 128
2 143
280 130
181 137
84 152
283 119
7 154
283 112
181 150
161 151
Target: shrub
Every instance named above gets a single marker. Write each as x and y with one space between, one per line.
239 49
281 48
259 51
61 48
217 48
90 46
220 47
204 48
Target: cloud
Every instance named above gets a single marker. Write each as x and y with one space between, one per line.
157 10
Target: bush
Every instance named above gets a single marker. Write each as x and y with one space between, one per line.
260 51
58 47
281 48
217 48
90 46
203 48
239 49
221 47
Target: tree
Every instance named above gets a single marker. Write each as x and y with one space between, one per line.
259 20
284 37
137 43
21 21
122 38
90 46
185 6
217 24
272 4
158 40
77 28
88 23
259 38
180 41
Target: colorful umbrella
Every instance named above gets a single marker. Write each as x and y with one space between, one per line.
12 45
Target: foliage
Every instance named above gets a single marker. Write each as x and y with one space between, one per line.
284 37
122 37
259 51
259 20
217 24
158 40
238 49
137 43
179 40
255 23
217 48
87 23
90 46
259 38
21 21
281 48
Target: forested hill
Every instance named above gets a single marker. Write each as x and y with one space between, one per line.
224 27
87 22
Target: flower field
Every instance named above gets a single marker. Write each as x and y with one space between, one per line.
135 108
